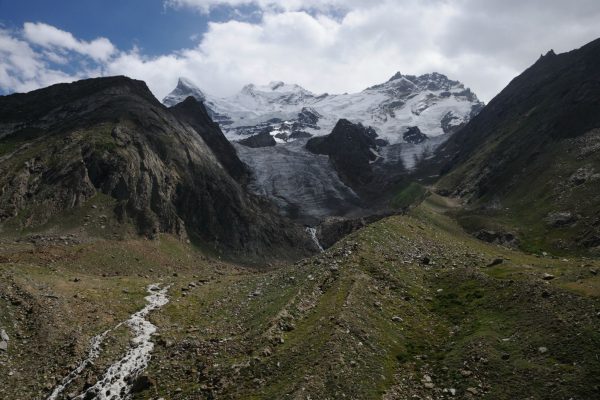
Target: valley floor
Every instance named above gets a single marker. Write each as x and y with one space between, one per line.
408 307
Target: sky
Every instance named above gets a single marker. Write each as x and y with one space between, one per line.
332 46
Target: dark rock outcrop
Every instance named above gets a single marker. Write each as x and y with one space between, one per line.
334 229
414 135
67 143
503 238
561 218
263 139
351 149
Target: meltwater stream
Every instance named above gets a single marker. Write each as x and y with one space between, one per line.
116 381
313 235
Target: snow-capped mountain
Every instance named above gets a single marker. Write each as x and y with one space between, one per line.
431 102
410 116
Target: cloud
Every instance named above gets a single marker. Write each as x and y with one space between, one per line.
324 45
206 6
51 37
480 42
23 69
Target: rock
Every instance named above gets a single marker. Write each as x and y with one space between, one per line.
581 176
142 383
167 343
472 390
266 352
396 318
414 135
263 139
548 277
4 335
333 229
496 261
351 148
502 238
452 391
427 382
542 350
4 345
562 218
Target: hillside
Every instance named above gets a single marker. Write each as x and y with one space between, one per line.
528 163
408 306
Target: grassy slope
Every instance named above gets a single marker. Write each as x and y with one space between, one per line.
541 187
322 328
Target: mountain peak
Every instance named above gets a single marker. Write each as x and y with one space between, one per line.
185 88
396 76
274 85
185 82
42 100
549 54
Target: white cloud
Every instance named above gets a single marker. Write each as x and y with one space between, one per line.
22 68
51 37
483 43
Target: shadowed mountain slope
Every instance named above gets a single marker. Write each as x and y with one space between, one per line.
529 160
66 144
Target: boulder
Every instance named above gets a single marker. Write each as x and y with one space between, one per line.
561 218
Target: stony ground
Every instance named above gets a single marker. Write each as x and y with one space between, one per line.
407 308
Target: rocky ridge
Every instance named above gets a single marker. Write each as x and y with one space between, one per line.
66 144
432 102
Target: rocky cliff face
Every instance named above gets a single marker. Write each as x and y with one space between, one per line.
65 144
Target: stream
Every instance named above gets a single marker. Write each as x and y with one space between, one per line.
313 234
116 382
